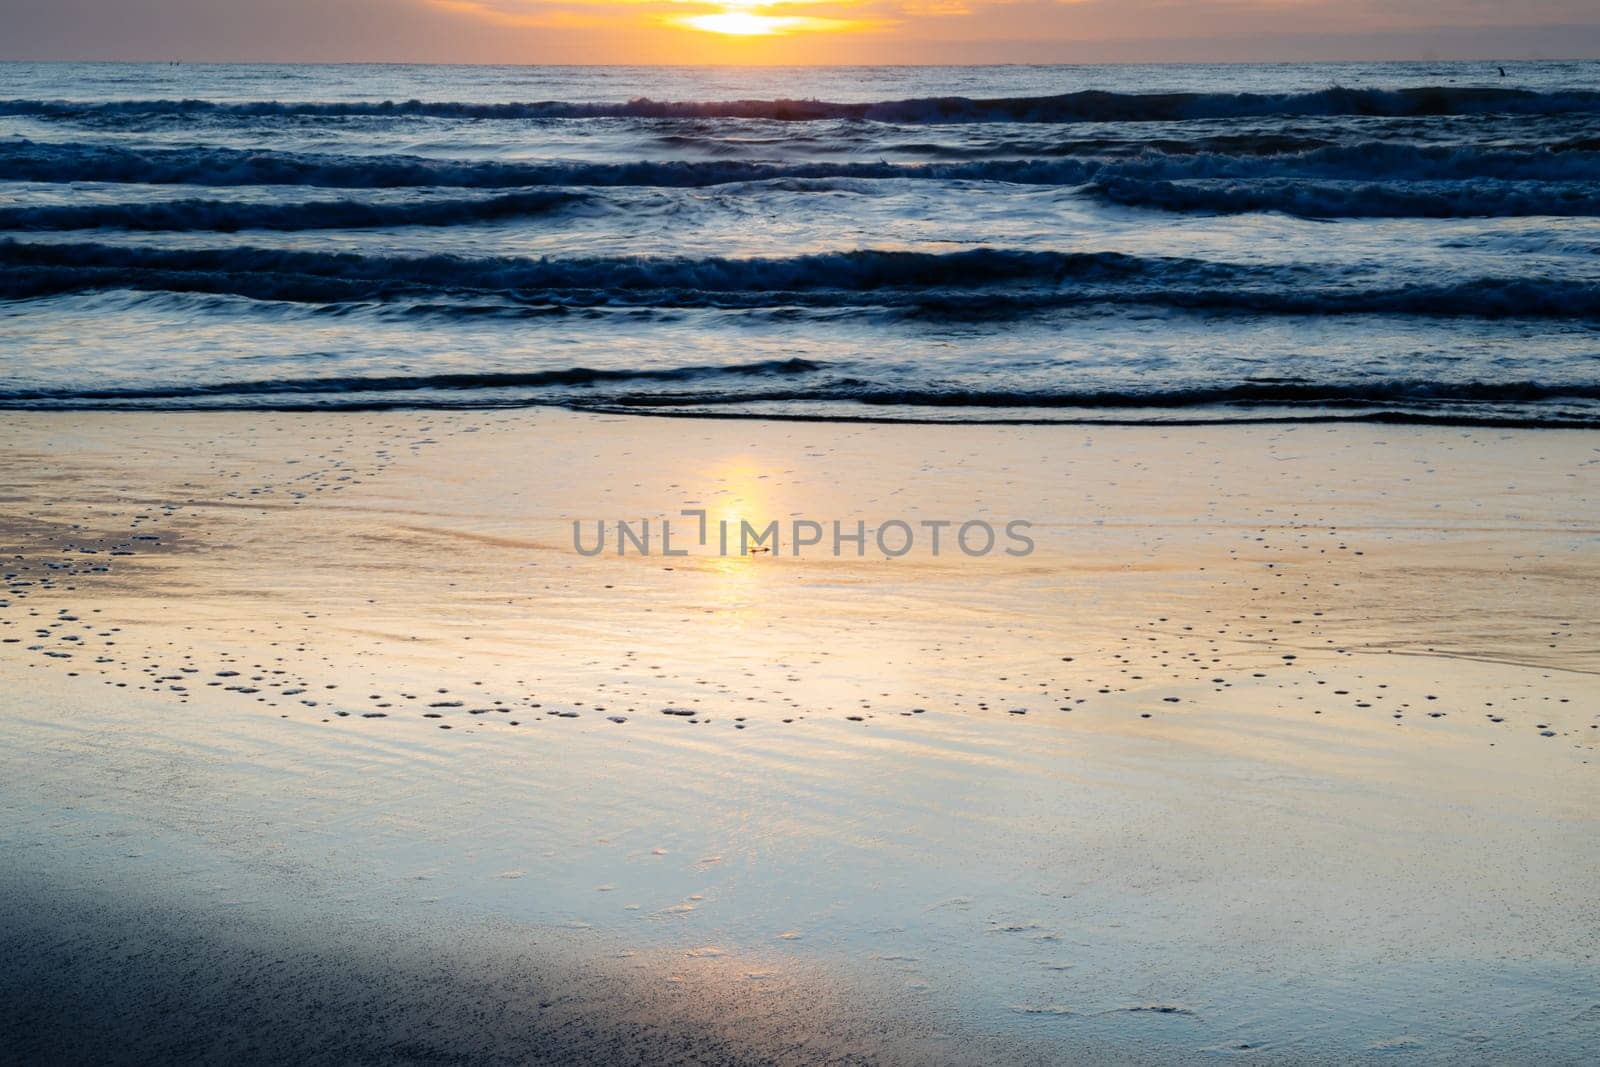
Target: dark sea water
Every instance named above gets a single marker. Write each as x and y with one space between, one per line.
1407 242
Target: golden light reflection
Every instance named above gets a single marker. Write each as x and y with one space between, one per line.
743 494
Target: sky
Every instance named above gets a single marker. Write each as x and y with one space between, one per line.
796 31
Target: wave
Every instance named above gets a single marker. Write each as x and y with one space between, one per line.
975 282
822 396
1321 199
1487 418
247 271
224 216
24 160
456 382
1274 393
1133 145
1089 106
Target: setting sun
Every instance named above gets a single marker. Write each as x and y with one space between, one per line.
738 23
738 20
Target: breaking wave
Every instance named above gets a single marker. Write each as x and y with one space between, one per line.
983 281
1090 106
1358 199
23 160
227 216
741 390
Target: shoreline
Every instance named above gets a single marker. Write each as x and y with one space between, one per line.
424 410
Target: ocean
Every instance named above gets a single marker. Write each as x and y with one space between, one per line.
1180 244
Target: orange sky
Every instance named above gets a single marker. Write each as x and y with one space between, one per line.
805 31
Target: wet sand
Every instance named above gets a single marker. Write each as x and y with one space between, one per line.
1280 745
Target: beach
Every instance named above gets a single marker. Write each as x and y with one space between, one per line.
739 564
322 740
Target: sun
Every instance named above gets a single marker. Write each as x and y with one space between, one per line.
738 23
742 18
